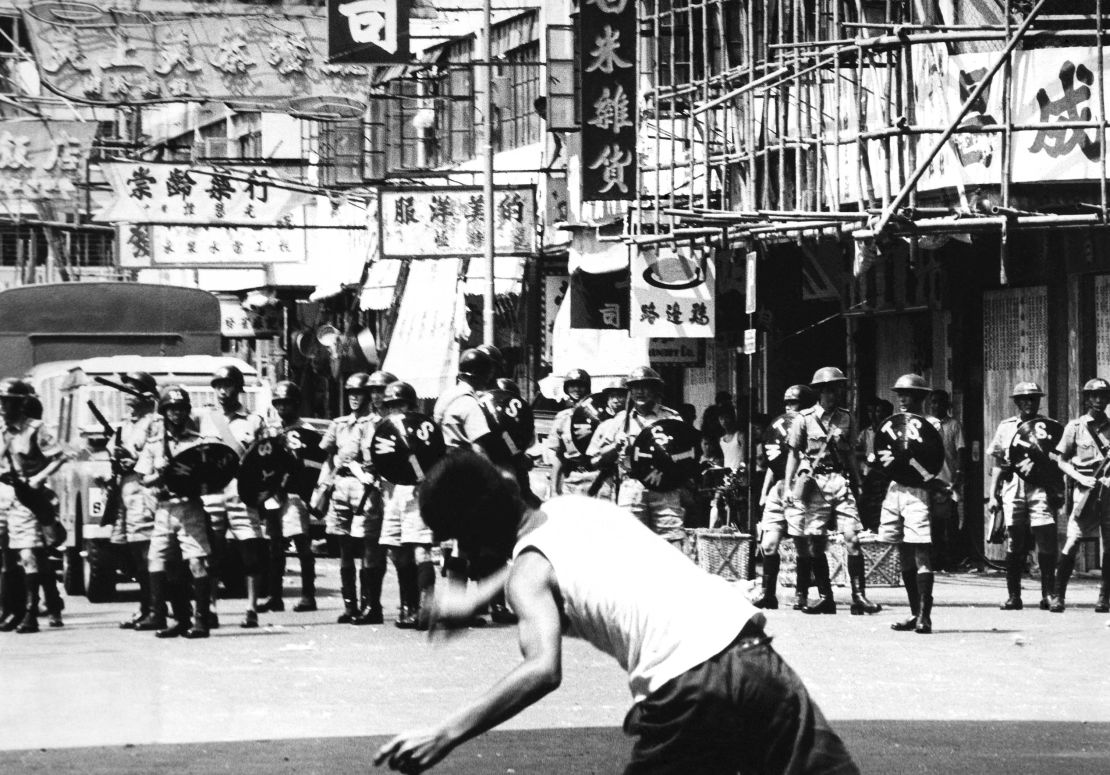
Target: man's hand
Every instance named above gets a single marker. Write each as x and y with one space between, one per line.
36 482
1086 481
415 751
451 610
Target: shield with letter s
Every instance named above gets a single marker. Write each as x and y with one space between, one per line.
266 470
304 444
909 449
200 470
405 446
664 455
512 425
1031 450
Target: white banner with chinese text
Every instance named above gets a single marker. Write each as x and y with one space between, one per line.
673 293
430 222
41 160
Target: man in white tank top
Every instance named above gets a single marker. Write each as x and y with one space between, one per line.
710 694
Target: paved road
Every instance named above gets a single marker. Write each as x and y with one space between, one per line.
989 691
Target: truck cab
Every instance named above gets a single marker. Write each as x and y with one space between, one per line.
65 388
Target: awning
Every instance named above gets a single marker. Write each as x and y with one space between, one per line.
424 345
381 280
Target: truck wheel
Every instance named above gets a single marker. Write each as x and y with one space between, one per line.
100 571
73 571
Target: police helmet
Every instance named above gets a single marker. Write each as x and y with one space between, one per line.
141 381
642 375
827 375
228 374
174 395
801 394
360 380
399 392
494 353
916 383
509 386
15 388
287 391
1027 390
1096 385
379 379
476 362
578 377
32 407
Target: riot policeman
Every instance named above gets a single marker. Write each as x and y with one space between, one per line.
349 482
821 440
1024 504
1082 455
403 530
181 527
134 521
661 511
288 519
773 525
28 456
231 423
572 472
906 519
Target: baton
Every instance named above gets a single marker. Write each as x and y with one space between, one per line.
100 418
121 387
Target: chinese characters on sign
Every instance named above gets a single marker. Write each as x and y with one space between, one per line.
450 221
608 93
170 193
258 59
673 293
42 161
368 30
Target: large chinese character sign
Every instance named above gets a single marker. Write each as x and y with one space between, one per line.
607 73
368 30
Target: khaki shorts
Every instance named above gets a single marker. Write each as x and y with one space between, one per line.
180 527
662 512
1087 520
830 497
905 516
774 512
23 531
136 520
345 499
1026 504
401 521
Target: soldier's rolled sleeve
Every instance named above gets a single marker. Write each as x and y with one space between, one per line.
996 450
1067 446
330 442
796 436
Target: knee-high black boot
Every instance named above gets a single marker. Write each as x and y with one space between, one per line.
202 594
803 573
405 564
350 595
909 579
1103 604
768 598
856 577
50 594
924 618
156 617
1047 561
426 581
371 611
138 552
30 621
1014 563
1064 566
308 574
13 598
825 603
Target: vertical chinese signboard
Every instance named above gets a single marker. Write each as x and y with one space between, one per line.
607 73
368 30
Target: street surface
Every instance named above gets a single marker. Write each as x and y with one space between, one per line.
990 691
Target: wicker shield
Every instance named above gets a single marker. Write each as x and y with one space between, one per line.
775 450
1030 448
909 449
512 426
266 469
664 455
203 469
405 446
304 443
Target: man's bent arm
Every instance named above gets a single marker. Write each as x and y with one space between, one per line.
531 592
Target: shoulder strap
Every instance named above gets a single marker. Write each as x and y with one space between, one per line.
224 428
1094 435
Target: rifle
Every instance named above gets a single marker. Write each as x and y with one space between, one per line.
120 387
112 491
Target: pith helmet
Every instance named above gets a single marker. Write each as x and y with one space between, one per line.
379 379
360 380
287 391
801 394
642 374
1027 390
916 383
399 392
827 374
1096 385
228 374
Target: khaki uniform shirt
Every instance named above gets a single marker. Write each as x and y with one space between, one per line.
1078 447
29 445
613 430
810 429
459 415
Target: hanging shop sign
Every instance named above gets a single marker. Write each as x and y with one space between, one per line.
116 57
368 30
239 323
205 196
677 352
599 301
42 159
673 293
607 76
432 222
555 288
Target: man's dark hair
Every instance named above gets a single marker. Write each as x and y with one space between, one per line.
469 498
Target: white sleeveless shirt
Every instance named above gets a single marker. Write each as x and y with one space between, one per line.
633 595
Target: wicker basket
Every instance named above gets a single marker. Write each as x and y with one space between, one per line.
722 552
882 566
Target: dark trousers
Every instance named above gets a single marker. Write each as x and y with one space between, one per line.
743 711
